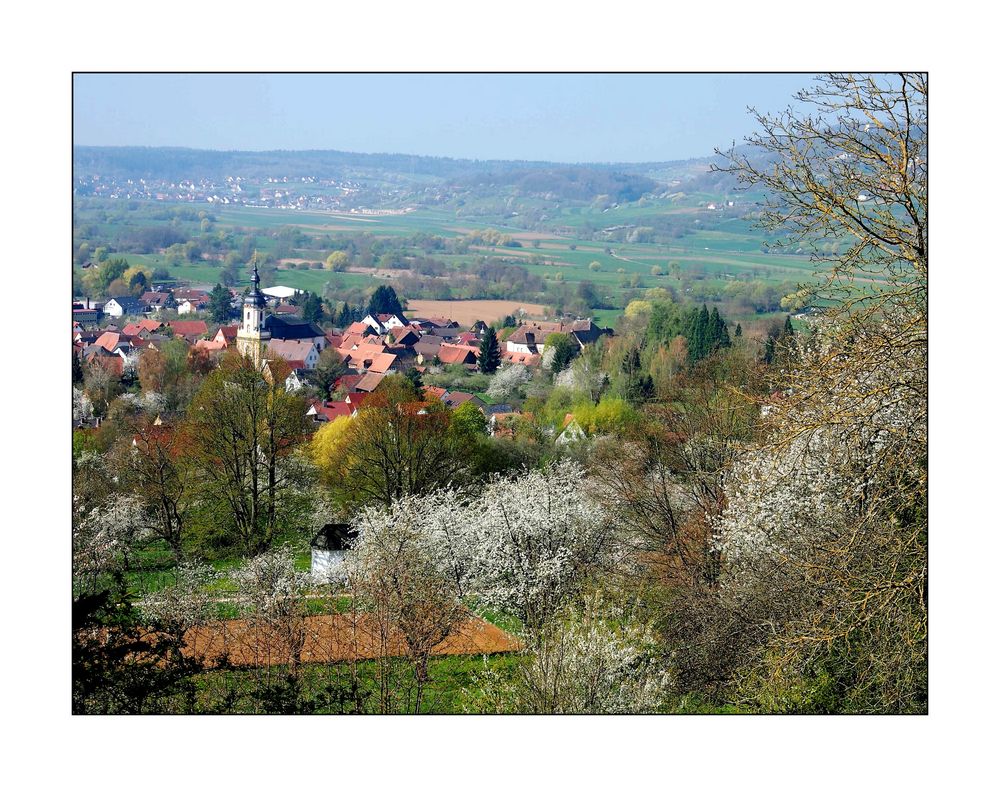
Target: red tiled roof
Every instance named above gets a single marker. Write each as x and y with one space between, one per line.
347 382
453 353
109 340
382 362
188 328
370 382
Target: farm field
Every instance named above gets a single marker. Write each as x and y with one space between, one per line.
467 312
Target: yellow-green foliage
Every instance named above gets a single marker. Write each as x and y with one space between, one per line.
610 416
327 446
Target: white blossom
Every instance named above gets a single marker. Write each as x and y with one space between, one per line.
584 663
268 586
83 409
507 380
187 602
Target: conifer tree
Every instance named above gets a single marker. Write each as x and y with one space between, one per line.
385 301
220 303
489 352
739 331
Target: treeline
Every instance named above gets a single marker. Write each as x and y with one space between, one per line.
567 183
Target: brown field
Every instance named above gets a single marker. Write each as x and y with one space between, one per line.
332 638
467 312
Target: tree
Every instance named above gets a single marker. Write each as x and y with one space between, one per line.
489 352
402 576
247 430
158 468
842 581
311 307
416 379
507 381
220 304
329 368
338 261
398 445
124 664
534 540
560 348
385 301
589 661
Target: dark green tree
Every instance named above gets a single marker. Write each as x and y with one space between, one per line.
124 665
311 307
417 380
220 304
329 369
385 301
739 331
489 352
77 369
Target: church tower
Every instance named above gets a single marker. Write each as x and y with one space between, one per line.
251 336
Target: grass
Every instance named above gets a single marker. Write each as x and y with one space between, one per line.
451 688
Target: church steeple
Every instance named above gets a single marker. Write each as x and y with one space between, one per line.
251 335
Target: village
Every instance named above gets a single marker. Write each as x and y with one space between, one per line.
115 333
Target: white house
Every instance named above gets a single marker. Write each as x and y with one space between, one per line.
122 305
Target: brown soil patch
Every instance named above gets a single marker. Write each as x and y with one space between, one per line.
467 312
332 638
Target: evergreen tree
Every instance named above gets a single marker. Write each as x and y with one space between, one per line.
489 352
739 331
562 357
345 317
417 381
311 306
77 369
385 301
220 303
719 331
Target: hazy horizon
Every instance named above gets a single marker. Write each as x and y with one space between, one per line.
557 118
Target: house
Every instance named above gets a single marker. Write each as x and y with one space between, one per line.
142 329
407 336
189 330
324 412
391 321
530 337
111 341
81 314
154 301
456 353
369 382
193 304
455 399
503 424
524 359
329 547
383 363
361 327
347 382
285 326
293 350
122 305
430 323
224 338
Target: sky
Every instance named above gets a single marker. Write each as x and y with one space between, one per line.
546 117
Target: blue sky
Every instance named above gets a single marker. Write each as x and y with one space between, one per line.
551 117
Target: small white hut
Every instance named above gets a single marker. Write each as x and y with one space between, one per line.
329 546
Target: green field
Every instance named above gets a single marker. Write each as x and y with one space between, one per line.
721 248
